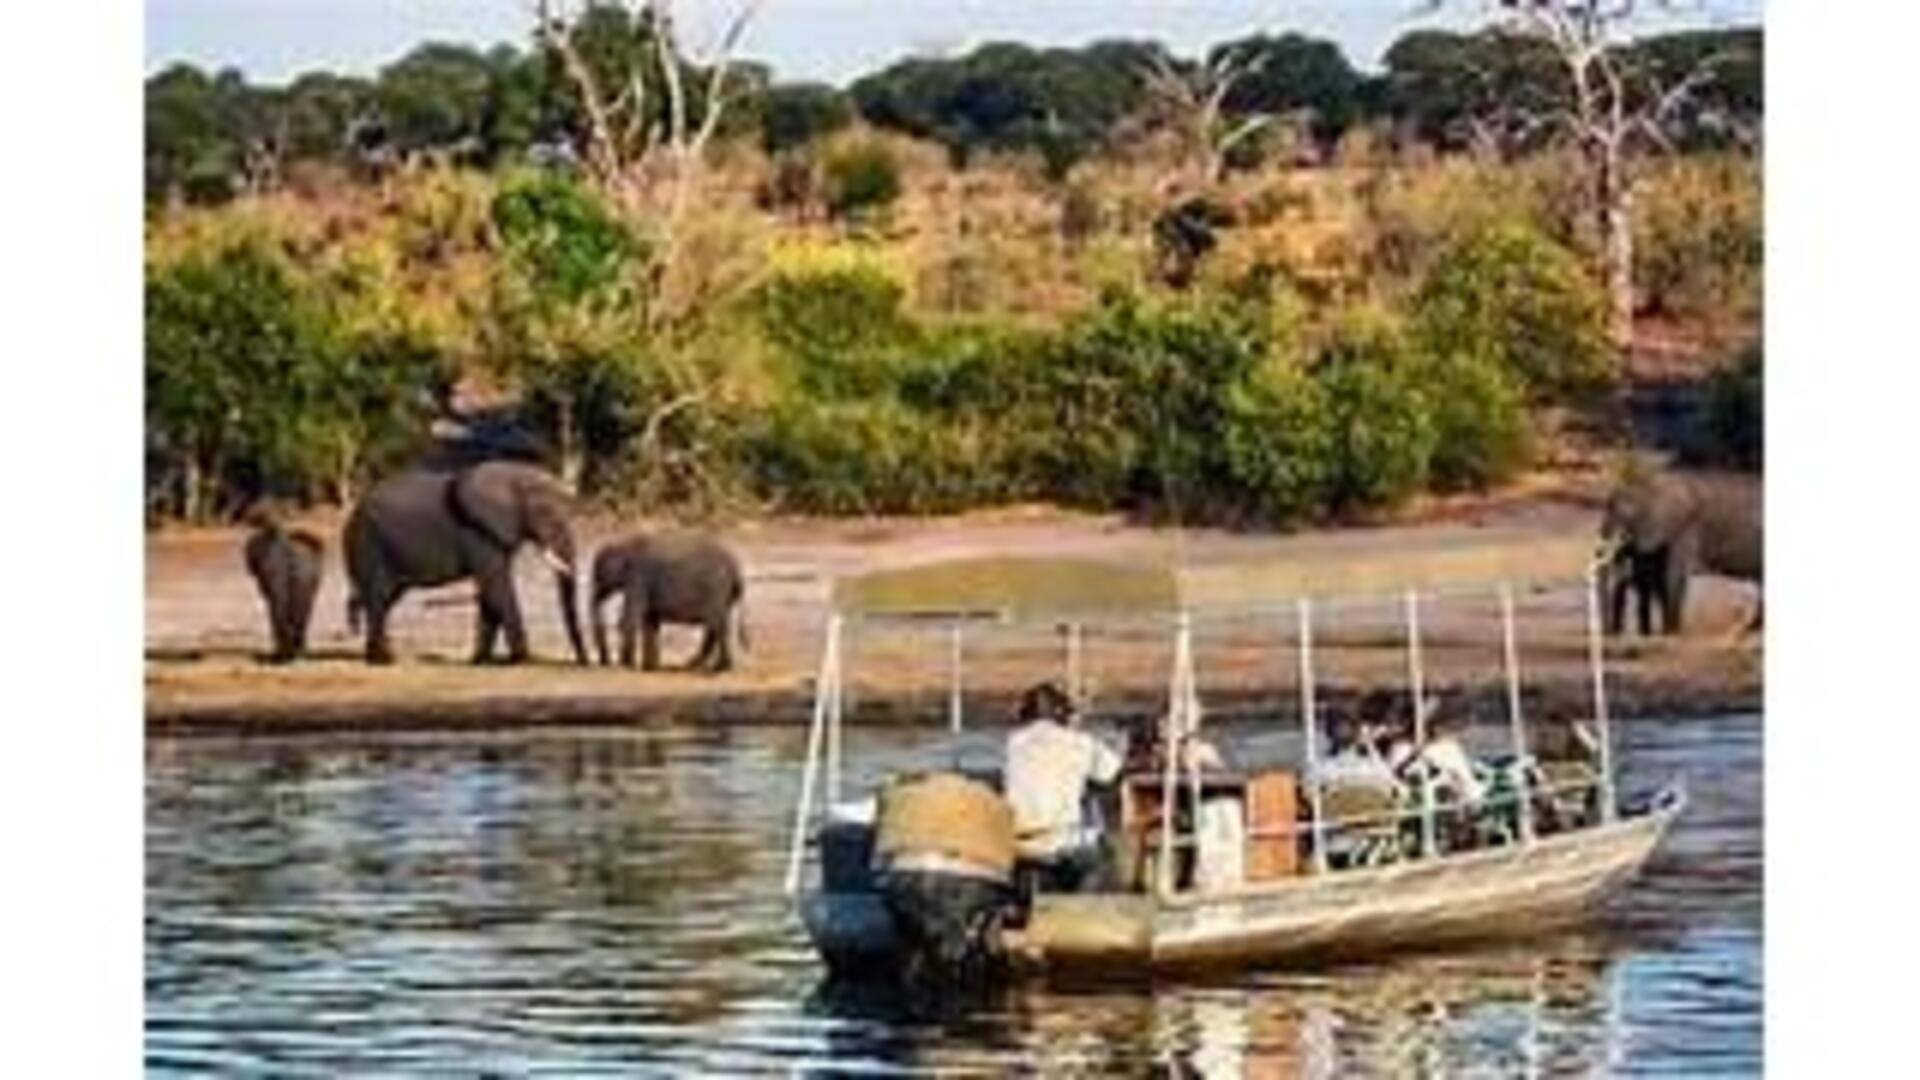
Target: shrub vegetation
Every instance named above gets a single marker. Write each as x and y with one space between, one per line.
963 281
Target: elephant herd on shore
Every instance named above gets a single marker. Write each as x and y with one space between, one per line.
428 528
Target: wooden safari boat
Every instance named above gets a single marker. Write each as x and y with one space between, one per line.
1539 848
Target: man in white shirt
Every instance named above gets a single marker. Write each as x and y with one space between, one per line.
1050 761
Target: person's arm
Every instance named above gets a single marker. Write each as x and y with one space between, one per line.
1104 765
1207 756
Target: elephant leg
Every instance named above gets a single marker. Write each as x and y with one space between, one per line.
705 659
486 629
277 626
631 610
378 602
1645 600
720 632
496 592
599 599
1619 584
650 642
299 618
276 589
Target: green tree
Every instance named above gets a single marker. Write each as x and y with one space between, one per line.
795 115
1293 72
1280 442
1061 103
257 381
568 320
860 179
437 97
1524 303
199 131
1383 435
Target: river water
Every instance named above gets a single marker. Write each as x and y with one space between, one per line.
581 902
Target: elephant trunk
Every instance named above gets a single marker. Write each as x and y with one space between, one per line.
596 610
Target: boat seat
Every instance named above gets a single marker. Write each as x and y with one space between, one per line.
1372 840
1567 795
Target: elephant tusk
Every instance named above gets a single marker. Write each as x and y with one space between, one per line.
558 564
1608 548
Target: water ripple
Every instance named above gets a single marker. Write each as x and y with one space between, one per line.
607 902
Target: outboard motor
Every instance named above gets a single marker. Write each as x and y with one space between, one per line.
944 855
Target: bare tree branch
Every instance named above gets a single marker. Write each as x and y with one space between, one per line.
1195 103
626 135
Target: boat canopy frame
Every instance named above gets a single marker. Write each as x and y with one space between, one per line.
1071 592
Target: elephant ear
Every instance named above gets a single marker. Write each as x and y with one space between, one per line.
488 498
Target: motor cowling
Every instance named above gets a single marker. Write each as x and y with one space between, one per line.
944 855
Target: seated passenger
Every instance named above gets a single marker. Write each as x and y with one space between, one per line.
1050 761
1357 757
1146 749
1444 757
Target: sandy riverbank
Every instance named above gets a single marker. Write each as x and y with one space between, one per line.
204 626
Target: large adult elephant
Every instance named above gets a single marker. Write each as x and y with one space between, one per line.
432 527
1665 527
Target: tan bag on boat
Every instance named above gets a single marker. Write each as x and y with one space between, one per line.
946 814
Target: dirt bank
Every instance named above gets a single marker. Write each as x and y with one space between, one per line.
204 626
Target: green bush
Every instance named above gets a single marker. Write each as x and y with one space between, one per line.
1523 302
1146 383
1481 432
566 245
1280 444
1736 412
567 320
257 383
860 179
841 329
1383 436
871 457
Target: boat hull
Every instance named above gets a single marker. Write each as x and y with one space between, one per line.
1515 890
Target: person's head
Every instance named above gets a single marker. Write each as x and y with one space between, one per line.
1046 701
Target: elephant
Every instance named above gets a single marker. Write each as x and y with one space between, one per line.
1663 528
286 565
428 527
670 578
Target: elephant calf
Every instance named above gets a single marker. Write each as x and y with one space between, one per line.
685 578
286 566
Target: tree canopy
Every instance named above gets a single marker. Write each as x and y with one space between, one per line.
213 135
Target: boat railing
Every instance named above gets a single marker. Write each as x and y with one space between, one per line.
1401 815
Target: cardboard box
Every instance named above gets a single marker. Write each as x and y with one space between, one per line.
1273 805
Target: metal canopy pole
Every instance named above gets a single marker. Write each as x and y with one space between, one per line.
1596 657
953 677
835 710
1310 722
1514 716
1169 744
823 686
1074 691
1416 678
1191 727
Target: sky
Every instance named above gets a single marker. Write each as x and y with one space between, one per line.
830 40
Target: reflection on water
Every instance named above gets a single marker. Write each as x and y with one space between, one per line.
609 901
